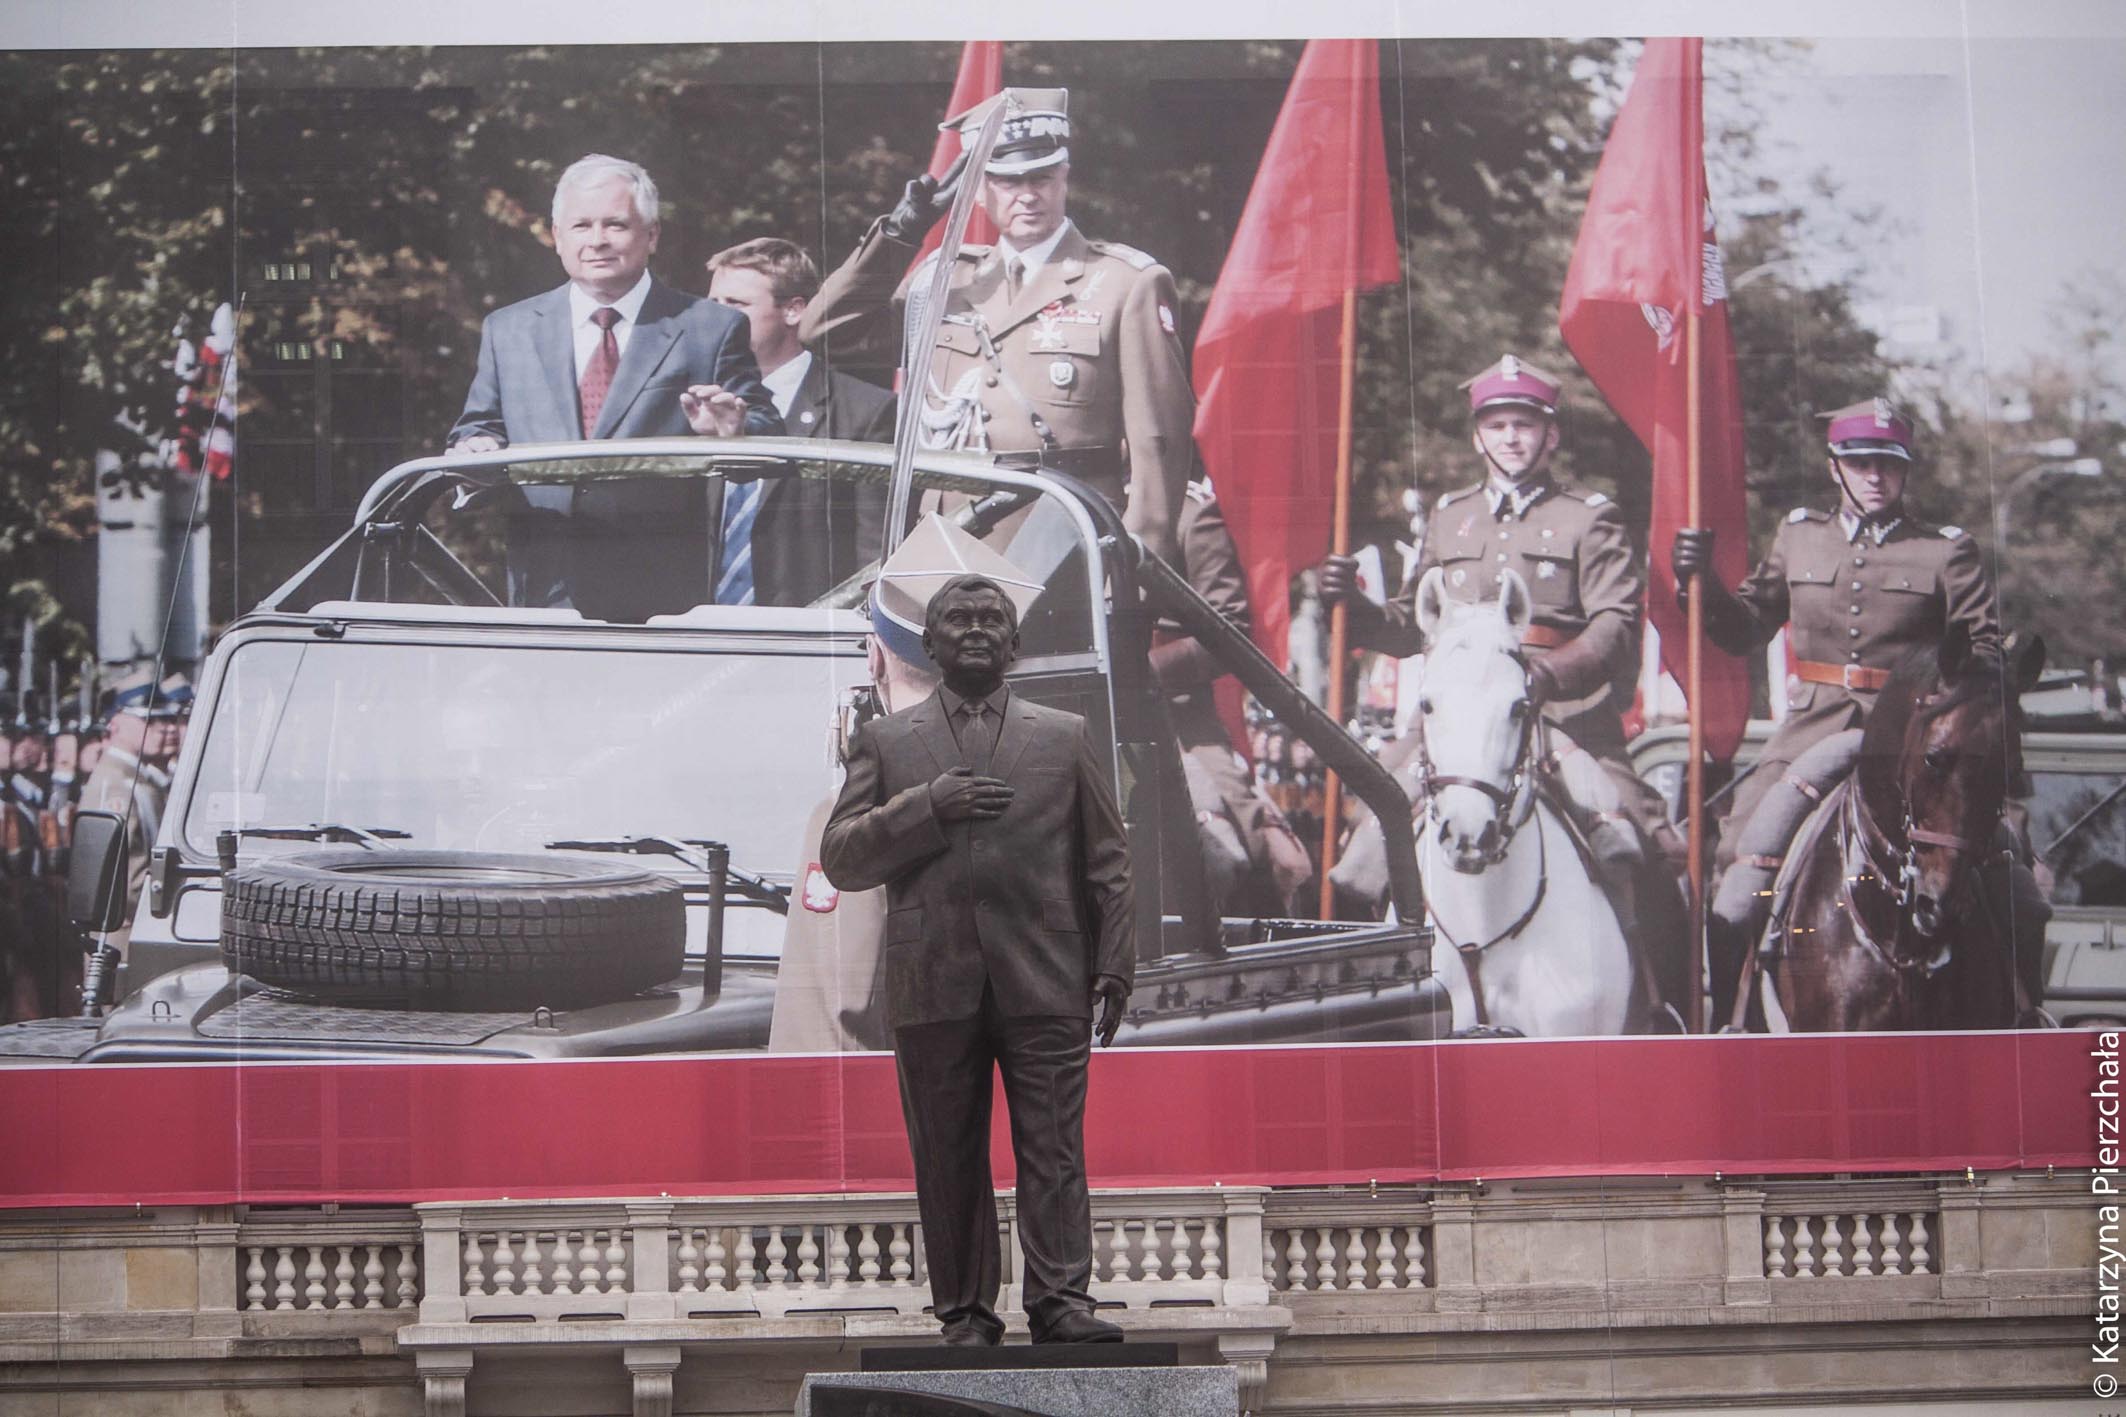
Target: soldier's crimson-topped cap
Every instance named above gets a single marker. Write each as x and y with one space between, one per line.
933 554
1871 428
1036 131
1513 381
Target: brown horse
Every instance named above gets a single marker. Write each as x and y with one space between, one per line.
1880 921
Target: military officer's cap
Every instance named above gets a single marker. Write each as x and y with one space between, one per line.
934 553
1871 429
1035 133
1513 381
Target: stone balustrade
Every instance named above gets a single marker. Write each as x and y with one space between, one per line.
1317 1295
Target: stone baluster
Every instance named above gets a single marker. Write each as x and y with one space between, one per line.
837 1256
1325 1260
1892 1246
1118 1265
807 1256
505 1270
1804 1248
867 1253
314 1277
1774 1247
409 1278
1295 1260
284 1277
255 1277
1269 1259
1863 1251
1415 1264
564 1274
1833 1247
689 1261
1355 1259
615 1262
587 1263
343 1279
715 1274
1210 1247
532 1277
778 1272
1384 1259
373 1277
1922 1262
475 1265
747 1255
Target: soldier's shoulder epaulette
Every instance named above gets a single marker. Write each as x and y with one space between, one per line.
1585 496
1448 499
1128 255
1200 492
976 253
1806 514
1954 533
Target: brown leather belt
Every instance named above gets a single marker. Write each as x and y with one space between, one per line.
1544 637
1845 676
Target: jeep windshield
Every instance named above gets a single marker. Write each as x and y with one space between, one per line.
507 746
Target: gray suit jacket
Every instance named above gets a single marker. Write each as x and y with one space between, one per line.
524 390
1033 903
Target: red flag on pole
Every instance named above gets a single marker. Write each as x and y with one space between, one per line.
981 74
1318 225
1645 260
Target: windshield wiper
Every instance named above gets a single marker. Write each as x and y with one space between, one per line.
712 859
225 842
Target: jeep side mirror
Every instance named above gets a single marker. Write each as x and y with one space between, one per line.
96 875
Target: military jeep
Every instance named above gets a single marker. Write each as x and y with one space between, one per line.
415 816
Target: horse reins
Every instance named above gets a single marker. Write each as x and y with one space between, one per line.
1505 799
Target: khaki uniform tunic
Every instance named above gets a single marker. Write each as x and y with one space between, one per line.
1083 366
1570 546
1852 601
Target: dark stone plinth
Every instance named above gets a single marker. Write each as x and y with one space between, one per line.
937 1357
1025 1392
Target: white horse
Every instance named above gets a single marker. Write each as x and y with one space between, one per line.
1525 938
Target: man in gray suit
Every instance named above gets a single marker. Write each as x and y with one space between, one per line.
614 353
988 820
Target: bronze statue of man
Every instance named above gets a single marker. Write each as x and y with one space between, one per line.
991 825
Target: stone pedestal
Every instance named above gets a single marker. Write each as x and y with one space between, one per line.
1095 1380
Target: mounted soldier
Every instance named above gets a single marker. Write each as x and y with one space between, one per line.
1861 589
1569 545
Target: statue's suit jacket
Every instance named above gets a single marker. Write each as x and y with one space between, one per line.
524 389
1033 903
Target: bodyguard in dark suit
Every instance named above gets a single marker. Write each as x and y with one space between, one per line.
615 353
807 535
990 824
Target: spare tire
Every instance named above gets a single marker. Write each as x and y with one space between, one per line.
452 929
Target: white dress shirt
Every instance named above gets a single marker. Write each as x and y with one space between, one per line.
588 335
783 379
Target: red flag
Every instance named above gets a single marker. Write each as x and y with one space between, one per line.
981 74
1645 256
1318 223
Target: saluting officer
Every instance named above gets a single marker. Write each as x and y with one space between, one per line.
1570 545
1859 589
1049 342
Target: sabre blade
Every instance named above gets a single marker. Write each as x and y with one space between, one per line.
925 310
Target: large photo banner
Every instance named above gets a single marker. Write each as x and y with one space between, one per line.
1591 613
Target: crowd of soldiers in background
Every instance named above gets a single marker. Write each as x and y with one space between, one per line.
104 749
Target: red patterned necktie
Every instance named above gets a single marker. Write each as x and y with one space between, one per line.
598 373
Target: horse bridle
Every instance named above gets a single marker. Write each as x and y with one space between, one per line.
1509 799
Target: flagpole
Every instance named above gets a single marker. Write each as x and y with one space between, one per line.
1340 536
1339 614
1694 671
